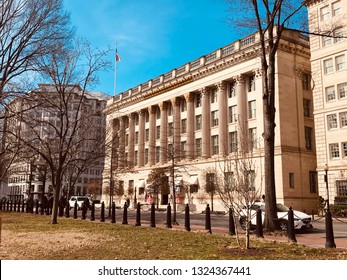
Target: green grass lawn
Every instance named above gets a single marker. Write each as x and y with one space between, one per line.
32 237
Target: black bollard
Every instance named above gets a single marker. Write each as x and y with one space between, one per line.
23 206
152 224
125 214
208 219
168 217
18 208
11 205
187 218
102 215
84 211
259 227
1 204
15 206
67 210
75 210
329 232
138 215
36 207
231 222
113 213
92 212
291 230
312 215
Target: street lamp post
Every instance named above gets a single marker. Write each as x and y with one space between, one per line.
329 241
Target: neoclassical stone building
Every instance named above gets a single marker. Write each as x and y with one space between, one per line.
329 75
208 109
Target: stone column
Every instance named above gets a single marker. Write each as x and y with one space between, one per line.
141 145
131 147
163 132
223 118
190 125
242 129
121 152
152 128
206 123
177 128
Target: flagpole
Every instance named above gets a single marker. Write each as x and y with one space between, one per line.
115 73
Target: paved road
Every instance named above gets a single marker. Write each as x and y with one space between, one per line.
220 225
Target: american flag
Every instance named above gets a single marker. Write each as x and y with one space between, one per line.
117 56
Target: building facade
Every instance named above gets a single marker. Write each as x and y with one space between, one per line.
195 116
42 123
329 76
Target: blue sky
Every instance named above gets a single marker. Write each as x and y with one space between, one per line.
152 36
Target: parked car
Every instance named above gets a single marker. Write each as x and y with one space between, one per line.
301 219
80 200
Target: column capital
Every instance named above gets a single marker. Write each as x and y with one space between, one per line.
151 109
220 85
257 72
163 106
204 91
239 79
175 101
189 96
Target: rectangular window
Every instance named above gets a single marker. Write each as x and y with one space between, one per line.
342 90
336 8
327 41
344 149
313 181
251 83
136 137
340 62
157 154
158 132
214 96
308 138
183 149
338 35
324 13
215 145
169 109
198 147
135 157
184 126
171 129
126 139
210 182
306 79
136 119
307 108
198 122
232 90
252 110
157 113
146 156
198 100
233 141
250 180
183 105
341 187
214 118
291 180
146 116
147 134
233 114
252 134
332 121
229 180
328 66
334 150
343 119
330 93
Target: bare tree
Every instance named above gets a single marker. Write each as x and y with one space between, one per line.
29 30
158 181
60 131
271 19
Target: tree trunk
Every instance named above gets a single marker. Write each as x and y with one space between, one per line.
269 146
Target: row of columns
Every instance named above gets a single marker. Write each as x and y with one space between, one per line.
222 99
